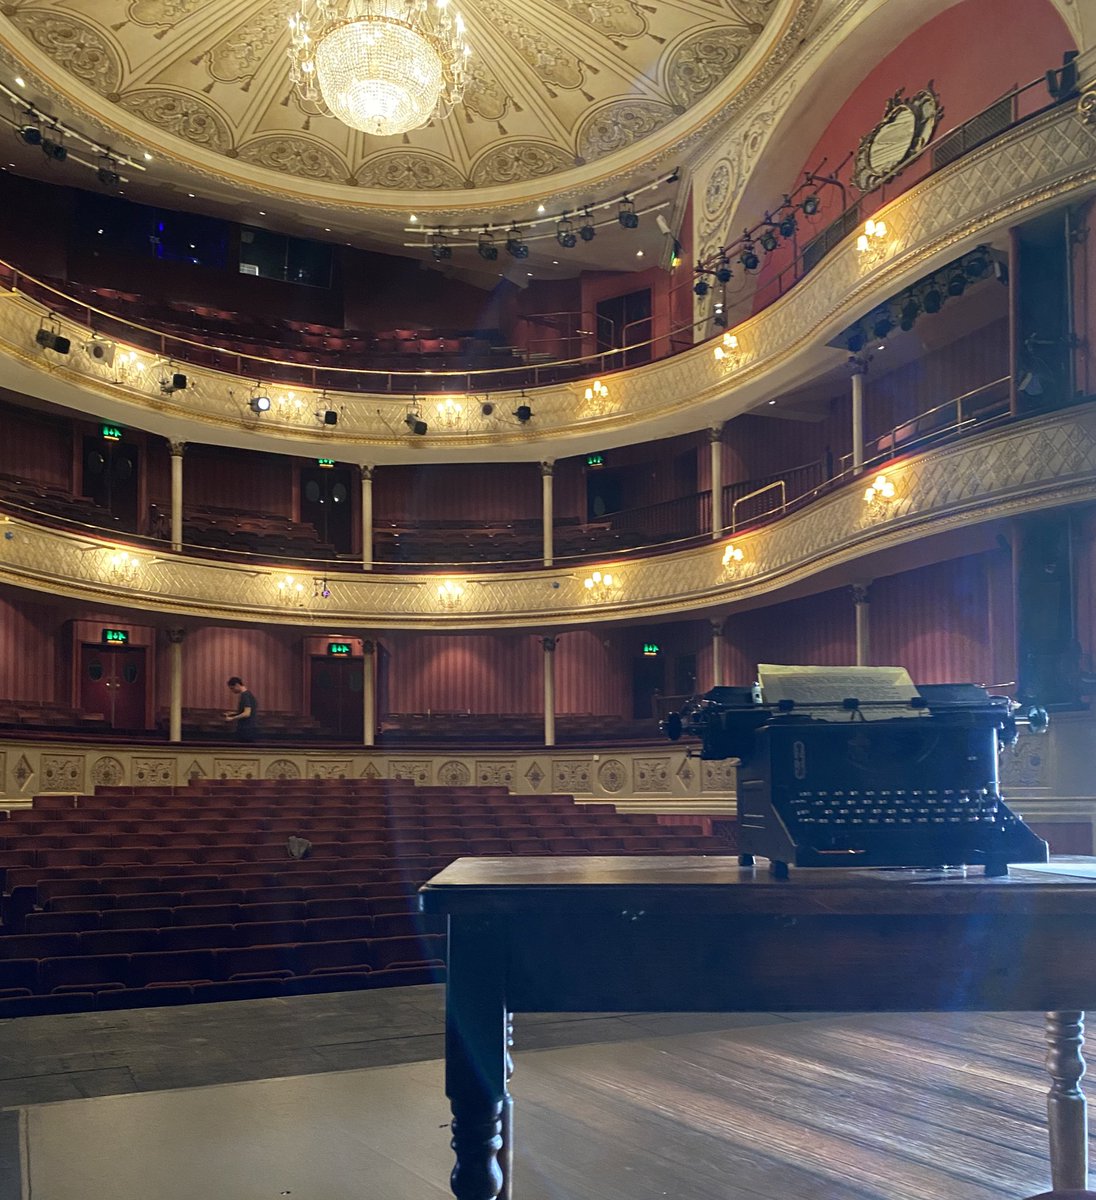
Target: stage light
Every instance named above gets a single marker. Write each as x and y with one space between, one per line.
177 383
748 258
723 272
587 231
911 310
515 247
931 299
54 151
854 341
768 241
31 134
486 247
565 233
50 339
440 249
259 404
415 423
701 287
627 215
329 416
107 176
487 408
100 351
882 324
523 412
787 226
957 283
811 205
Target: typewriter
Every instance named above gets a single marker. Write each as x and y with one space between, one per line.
904 778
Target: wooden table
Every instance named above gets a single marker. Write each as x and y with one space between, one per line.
701 934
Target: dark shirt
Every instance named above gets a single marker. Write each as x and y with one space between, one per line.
246 727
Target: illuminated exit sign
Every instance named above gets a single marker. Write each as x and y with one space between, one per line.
325 462
115 637
651 649
338 649
111 433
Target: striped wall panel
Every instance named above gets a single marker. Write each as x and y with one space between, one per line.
268 660
238 479
30 642
36 448
812 631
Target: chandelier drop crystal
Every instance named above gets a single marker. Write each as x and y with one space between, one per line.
381 66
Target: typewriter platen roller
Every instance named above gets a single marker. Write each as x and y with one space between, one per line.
916 785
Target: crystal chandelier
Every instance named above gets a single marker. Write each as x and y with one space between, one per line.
381 66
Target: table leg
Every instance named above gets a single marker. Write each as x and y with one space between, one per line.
475 1058
506 1157
1067 1115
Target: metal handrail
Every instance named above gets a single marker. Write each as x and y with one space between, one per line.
779 483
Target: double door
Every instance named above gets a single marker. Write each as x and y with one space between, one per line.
113 683
338 700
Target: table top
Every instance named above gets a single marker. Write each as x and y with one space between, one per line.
717 884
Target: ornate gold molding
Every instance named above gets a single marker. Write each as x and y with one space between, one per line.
1038 463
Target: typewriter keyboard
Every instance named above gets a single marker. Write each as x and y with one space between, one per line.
970 808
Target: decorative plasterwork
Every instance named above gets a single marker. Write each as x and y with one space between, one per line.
1048 160
1033 464
576 79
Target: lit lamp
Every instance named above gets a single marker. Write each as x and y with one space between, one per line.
597 391
379 66
122 568
290 592
726 351
449 413
450 594
878 496
872 243
731 556
600 586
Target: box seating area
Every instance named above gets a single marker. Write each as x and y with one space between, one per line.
43 714
142 896
243 531
53 501
208 725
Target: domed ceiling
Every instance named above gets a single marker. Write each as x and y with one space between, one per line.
562 92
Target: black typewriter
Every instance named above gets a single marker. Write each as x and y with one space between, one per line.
913 785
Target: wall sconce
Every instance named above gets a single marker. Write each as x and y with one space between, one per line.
449 413
597 391
128 366
726 352
600 586
872 243
450 594
878 497
732 556
291 592
122 568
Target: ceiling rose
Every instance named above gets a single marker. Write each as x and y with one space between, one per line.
380 66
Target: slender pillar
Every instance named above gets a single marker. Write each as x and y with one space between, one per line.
858 365
862 605
547 469
549 690
1066 1109
369 693
367 522
175 718
177 451
715 446
717 654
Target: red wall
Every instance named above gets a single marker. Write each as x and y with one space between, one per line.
30 648
36 446
814 631
458 492
268 660
238 479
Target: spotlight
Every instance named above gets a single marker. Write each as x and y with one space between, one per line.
748 258
882 324
31 134
911 310
565 233
107 176
719 317
976 265
486 247
259 404
515 247
54 151
932 300
768 241
701 287
415 423
786 226
675 176
957 283
439 247
177 383
50 339
100 351
811 205
587 231
329 416
627 215
523 412
487 408
855 340
723 272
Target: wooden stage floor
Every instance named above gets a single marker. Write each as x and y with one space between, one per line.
341 1097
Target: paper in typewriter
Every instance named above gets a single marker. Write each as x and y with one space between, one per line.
882 691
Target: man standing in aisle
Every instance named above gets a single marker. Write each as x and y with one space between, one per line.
247 710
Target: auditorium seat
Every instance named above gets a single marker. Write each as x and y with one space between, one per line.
88 971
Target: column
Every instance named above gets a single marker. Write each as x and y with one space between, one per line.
367 522
861 602
715 446
717 654
369 693
858 365
175 719
549 644
547 468
177 450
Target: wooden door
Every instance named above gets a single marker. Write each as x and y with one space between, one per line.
113 680
337 701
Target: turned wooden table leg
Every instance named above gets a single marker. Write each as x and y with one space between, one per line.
506 1157
475 1059
1067 1115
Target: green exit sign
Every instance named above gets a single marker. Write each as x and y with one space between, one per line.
651 649
593 461
339 649
325 462
111 433
116 637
